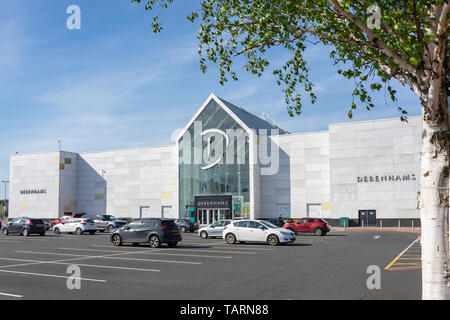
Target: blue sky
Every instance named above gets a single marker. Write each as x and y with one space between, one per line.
115 84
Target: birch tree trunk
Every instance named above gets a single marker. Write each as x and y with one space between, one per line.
434 195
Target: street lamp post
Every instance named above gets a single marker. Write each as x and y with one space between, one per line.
4 204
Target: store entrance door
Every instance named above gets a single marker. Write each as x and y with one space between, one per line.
208 216
368 218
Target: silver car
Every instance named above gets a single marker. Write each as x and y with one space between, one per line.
213 230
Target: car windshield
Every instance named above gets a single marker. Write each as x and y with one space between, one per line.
268 224
109 218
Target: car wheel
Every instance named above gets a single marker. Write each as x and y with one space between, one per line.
230 238
25 232
110 228
117 240
5 232
52 225
318 232
56 230
273 240
78 231
183 229
154 241
204 235
172 244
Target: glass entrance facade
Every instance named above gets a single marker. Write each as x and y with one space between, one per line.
221 170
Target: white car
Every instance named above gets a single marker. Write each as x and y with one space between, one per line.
77 226
257 231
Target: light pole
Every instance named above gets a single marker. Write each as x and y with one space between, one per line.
4 204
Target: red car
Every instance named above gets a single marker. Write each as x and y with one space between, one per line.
61 219
309 225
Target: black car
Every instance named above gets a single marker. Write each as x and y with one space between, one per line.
106 222
24 226
153 231
275 221
186 225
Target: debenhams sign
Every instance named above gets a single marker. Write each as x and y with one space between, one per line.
387 178
34 191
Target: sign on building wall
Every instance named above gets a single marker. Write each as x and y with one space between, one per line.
387 178
33 191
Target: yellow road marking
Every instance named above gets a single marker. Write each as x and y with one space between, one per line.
400 254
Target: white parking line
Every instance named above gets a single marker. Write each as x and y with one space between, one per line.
109 257
11 295
50 275
107 267
187 248
8 241
150 252
34 262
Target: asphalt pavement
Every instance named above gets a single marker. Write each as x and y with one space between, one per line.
337 266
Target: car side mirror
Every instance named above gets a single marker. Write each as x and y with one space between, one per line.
126 227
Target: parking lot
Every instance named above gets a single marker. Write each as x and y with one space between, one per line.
329 267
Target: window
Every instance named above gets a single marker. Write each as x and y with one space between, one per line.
241 224
254 224
67 161
268 224
135 224
224 178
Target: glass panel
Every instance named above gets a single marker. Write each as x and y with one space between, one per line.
222 179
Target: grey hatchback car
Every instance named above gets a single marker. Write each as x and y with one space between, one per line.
214 229
153 231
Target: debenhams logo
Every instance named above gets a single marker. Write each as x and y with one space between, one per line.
34 191
388 178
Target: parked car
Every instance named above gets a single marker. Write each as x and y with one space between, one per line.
126 219
107 222
214 229
153 231
47 225
24 226
317 226
66 217
256 231
77 226
59 220
186 225
275 221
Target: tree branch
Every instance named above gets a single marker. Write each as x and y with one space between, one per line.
396 57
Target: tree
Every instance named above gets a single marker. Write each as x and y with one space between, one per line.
375 42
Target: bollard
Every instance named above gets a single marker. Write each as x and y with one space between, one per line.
412 221
399 224
381 224
362 224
